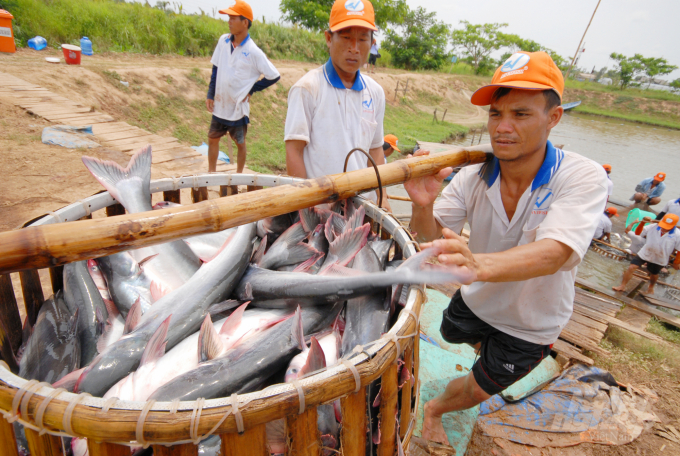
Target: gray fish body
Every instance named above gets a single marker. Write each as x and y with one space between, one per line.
80 292
245 368
188 306
53 350
317 239
366 317
126 280
382 248
205 246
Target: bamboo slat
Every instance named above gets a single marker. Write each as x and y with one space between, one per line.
57 278
253 442
9 312
33 294
46 246
303 434
186 449
43 445
6 438
406 393
353 436
389 388
106 449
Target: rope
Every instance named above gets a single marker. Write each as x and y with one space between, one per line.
301 396
109 403
413 314
352 368
195 420
237 414
17 399
40 413
175 183
56 216
28 396
392 337
66 420
175 406
139 431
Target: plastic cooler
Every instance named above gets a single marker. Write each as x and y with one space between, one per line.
636 214
6 32
71 54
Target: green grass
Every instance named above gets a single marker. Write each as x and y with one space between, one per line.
135 27
668 332
661 121
631 92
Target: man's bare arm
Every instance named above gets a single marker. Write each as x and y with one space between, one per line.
295 162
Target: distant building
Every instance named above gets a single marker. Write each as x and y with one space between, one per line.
606 81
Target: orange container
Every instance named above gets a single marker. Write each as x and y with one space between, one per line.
6 32
71 54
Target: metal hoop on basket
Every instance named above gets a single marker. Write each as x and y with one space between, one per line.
375 168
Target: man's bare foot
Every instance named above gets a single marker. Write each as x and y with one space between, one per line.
433 429
650 291
619 288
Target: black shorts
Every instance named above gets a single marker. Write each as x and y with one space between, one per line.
653 268
218 129
372 58
503 359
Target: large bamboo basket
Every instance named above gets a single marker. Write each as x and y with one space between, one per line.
48 413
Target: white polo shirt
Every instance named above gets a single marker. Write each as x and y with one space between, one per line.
658 248
672 207
236 73
563 203
604 225
333 120
636 242
610 187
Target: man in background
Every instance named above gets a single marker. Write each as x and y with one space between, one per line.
390 145
604 226
650 190
610 184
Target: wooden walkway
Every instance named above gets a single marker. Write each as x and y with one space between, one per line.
169 156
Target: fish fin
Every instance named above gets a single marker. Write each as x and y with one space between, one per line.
133 316
155 349
329 231
336 270
68 381
347 245
338 411
110 174
259 253
158 290
111 309
315 360
302 252
306 265
234 320
147 259
309 218
210 344
298 333
357 219
224 246
337 222
294 234
222 306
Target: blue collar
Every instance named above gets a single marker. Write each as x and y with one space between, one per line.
677 201
231 38
671 231
334 79
553 159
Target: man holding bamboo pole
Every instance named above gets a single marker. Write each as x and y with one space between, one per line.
532 213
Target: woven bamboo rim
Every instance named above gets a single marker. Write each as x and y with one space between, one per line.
64 413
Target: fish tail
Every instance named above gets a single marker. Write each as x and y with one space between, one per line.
155 348
417 270
209 343
347 245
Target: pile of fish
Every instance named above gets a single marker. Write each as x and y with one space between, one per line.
223 313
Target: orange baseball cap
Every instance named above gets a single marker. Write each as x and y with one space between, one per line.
392 141
352 13
526 71
660 176
240 8
669 221
607 167
612 211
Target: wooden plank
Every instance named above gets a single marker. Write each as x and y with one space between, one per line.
73 115
571 352
125 134
628 327
9 312
183 163
590 313
81 123
56 111
185 449
303 435
661 302
589 322
389 389
110 127
8 439
43 445
33 294
173 154
353 433
582 336
253 442
106 449
660 315
146 137
156 147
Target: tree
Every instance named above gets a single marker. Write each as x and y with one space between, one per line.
654 66
420 42
675 85
315 14
516 43
628 68
477 41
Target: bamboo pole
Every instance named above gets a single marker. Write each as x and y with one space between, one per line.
399 198
186 449
646 277
353 437
106 449
389 388
581 42
253 442
33 294
43 445
61 243
9 313
9 443
611 246
303 435
406 393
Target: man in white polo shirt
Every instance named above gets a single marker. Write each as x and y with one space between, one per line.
334 108
660 242
671 207
237 66
532 212
604 226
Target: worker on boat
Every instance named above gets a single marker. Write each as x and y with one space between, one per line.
610 184
335 109
660 242
636 241
532 212
650 190
390 145
604 226
237 66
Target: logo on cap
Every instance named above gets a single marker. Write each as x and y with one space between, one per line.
515 62
669 220
354 5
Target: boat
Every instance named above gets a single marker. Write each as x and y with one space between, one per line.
572 105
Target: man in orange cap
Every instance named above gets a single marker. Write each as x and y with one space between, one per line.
532 212
650 190
237 66
604 226
390 145
334 109
610 184
660 242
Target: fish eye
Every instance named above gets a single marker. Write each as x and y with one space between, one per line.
294 371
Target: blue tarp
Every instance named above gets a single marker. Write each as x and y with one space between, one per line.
69 137
203 150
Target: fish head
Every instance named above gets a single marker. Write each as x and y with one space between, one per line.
295 366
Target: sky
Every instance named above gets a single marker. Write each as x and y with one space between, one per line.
626 27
